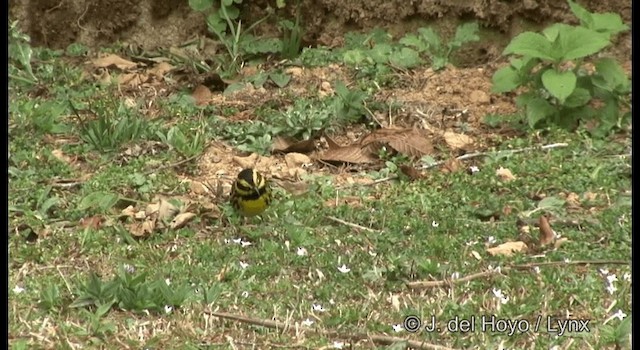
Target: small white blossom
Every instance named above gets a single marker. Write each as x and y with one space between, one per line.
434 223
619 315
168 309
455 275
174 248
611 288
237 240
474 169
301 251
498 294
612 278
338 344
626 276
129 268
308 322
18 289
604 271
567 260
331 301
470 243
244 294
318 307
536 269
167 281
243 265
245 243
491 240
372 253
343 268
397 328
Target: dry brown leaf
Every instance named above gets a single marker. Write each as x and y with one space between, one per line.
112 60
347 154
331 143
222 274
247 162
295 188
457 141
352 201
295 160
286 145
92 222
590 196
141 215
573 201
560 242
102 76
129 211
410 142
132 79
181 220
142 229
411 172
508 248
160 69
546 233
166 210
505 174
61 156
506 210
202 95
451 166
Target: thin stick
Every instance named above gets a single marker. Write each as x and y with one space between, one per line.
379 339
447 282
351 224
513 151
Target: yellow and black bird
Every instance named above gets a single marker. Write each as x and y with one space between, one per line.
251 193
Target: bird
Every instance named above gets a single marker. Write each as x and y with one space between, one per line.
251 193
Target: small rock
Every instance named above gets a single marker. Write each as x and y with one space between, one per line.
480 97
295 160
294 71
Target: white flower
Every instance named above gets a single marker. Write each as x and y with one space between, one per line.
397 327
626 276
496 269
338 344
612 278
474 169
129 268
318 307
168 282
174 248
434 223
604 271
245 244
168 309
372 253
331 302
237 240
244 294
18 289
243 265
455 275
567 260
536 269
470 243
307 322
301 251
619 315
343 268
498 294
611 288
491 240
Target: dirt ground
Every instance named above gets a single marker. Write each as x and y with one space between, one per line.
445 101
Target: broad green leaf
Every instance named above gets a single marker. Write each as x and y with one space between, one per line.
232 12
380 53
612 73
608 23
579 97
551 202
504 80
280 79
439 62
226 2
530 44
259 79
538 109
583 14
200 5
98 200
354 57
414 41
465 33
233 88
215 23
281 4
551 32
429 36
559 84
406 58
578 42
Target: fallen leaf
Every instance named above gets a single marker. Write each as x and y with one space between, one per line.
286 145
505 174
296 188
590 196
92 222
181 220
142 229
160 69
347 154
560 242
411 172
546 233
451 166
129 211
295 160
246 162
410 142
166 210
573 201
132 79
112 60
61 156
457 141
508 248
202 95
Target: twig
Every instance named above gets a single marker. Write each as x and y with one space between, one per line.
378 339
430 284
173 165
351 224
482 154
448 282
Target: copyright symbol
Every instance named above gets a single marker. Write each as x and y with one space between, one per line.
412 324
